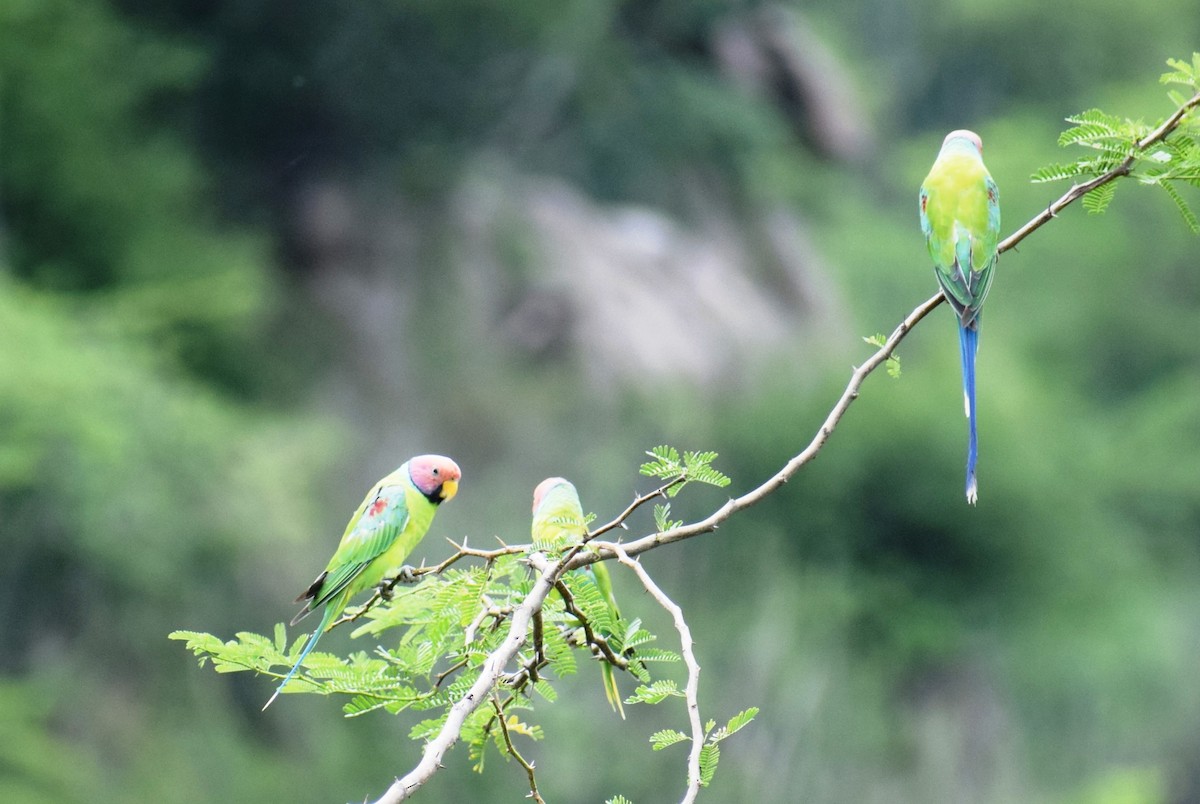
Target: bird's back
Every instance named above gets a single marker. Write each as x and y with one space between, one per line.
956 194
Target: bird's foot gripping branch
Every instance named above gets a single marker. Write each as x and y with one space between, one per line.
480 639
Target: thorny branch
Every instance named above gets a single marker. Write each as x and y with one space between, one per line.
590 636
414 574
539 647
638 501
489 674
691 691
493 668
512 750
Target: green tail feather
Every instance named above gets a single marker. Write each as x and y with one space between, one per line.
610 689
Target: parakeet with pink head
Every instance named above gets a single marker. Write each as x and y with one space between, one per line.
960 216
388 525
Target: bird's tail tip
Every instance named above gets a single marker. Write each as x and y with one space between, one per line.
972 489
271 700
611 692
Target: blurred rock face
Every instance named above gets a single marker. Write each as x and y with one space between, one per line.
634 296
774 54
640 296
543 272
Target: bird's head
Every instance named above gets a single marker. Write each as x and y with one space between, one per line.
964 135
548 485
435 476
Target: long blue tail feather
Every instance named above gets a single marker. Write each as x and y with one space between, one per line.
312 642
968 338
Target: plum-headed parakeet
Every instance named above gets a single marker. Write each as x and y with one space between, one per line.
960 215
557 522
392 519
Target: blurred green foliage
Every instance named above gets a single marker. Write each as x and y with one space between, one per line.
170 454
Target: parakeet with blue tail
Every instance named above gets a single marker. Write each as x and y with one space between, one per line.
960 216
391 521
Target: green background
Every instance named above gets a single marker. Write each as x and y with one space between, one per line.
253 255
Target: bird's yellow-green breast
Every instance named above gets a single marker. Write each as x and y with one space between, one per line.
420 515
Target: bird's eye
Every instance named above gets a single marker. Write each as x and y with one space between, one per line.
435 470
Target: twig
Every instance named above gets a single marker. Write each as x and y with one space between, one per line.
715 519
638 502
485 611
539 648
691 690
449 671
518 682
462 551
594 640
512 750
416 573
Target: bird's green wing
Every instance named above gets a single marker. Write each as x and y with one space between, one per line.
372 531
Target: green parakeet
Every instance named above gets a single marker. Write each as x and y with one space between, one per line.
389 523
960 216
557 522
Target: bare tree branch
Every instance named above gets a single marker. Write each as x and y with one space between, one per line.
514 753
714 520
595 641
638 502
691 691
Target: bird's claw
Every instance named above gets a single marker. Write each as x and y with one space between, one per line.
407 575
387 587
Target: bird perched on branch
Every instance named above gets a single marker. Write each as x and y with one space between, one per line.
960 215
557 522
390 522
